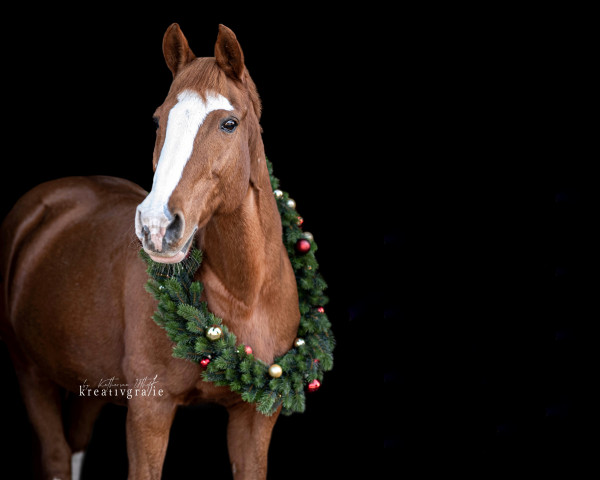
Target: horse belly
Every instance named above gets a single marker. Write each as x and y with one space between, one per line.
69 243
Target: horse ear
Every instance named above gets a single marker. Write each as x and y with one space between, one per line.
176 50
228 53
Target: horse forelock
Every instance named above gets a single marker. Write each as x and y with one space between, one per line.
204 76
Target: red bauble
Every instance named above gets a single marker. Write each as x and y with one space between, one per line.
302 245
314 385
248 349
204 362
321 310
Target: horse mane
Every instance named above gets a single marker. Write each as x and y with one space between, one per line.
204 74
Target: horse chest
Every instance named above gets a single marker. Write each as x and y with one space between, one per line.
249 319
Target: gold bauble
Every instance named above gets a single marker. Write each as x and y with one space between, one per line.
275 371
299 342
214 333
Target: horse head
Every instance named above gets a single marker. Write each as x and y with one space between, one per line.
207 134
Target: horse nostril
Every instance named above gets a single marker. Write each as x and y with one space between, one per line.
175 229
145 230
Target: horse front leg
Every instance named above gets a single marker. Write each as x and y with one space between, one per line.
248 439
148 424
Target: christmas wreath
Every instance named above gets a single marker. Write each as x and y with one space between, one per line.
202 337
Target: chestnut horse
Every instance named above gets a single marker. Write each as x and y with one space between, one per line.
74 309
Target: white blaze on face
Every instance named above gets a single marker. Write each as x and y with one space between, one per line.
185 119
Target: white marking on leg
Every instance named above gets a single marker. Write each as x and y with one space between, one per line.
77 465
185 119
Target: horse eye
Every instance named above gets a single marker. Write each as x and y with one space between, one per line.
155 120
229 125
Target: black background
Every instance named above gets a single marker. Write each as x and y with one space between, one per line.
492 240
466 132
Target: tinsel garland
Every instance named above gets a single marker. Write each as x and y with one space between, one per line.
202 337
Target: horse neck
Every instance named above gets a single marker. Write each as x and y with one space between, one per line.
243 248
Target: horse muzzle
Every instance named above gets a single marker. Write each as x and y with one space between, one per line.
161 233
